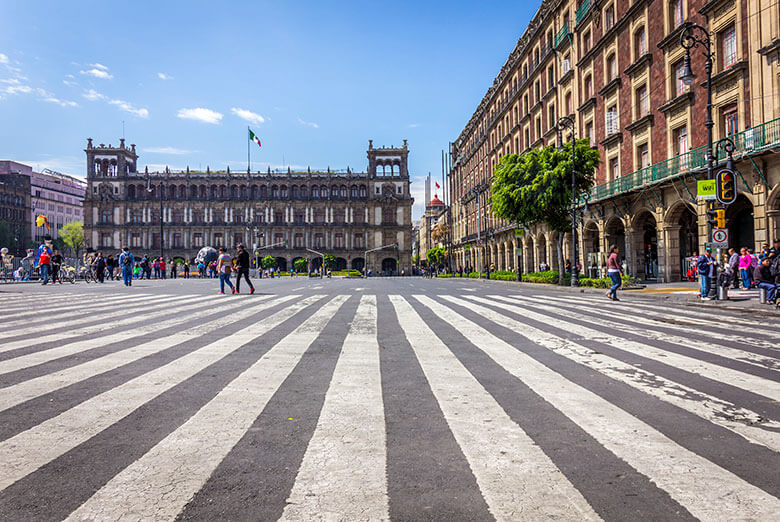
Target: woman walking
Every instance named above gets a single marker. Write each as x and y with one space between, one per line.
745 260
614 271
224 267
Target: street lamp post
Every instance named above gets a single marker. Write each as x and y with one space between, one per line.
564 123
689 40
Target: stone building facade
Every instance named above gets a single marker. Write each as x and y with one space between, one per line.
14 212
281 214
615 68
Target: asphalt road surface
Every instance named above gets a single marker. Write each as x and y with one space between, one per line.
401 399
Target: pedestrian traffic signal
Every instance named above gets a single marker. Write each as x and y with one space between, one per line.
720 218
712 215
726 187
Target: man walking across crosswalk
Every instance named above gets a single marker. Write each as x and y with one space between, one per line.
127 263
242 269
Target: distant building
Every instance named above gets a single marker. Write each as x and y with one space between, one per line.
434 213
14 212
282 214
57 196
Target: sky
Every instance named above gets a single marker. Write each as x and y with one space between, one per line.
183 80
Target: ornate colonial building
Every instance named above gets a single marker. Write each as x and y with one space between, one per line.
281 214
616 67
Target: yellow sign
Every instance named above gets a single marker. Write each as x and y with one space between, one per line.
705 189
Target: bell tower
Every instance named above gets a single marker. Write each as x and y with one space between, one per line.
109 161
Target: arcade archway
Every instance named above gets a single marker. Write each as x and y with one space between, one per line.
740 223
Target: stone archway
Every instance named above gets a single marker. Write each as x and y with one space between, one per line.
644 246
615 234
341 264
358 263
541 251
773 214
389 266
740 224
590 249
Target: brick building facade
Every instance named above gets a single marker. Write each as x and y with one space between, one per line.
615 68
278 213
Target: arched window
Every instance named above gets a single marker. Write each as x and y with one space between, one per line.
253 192
234 192
214 192
353 191
640 43
130 192
343 191
172 192
203 191
362 191
294 192
315 191
283 192
303 191
324 192
243 192
334 191
193 192
275 192
223 192
263 191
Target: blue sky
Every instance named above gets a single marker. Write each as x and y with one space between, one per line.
314 80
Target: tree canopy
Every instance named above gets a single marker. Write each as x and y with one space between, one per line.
436 256
268 262
72 234
300 264
535 187
330 261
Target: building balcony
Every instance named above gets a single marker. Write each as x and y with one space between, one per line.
748 142
562 36
583 10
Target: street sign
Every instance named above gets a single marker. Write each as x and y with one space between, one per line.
706 188
720 235
715 244
519 232
467 246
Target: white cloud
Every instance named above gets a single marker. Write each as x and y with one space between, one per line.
99 66
61 103
16 88
11 81
94 95
164 76
200 114
127 107
248 115
308 123
97 73
168 150
3 58
414 125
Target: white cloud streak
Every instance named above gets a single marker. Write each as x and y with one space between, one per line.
164 76
97 73
3 58
308 123
247 115
98 66
16 88
200 114
168 150
94 95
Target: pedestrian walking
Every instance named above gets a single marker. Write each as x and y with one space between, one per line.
162 268
242 269
201 270
110 263
615 272
56 264
99 266
745 260
733 264
44 265
146 267
126 262
174 268
224 267
707 269
186 268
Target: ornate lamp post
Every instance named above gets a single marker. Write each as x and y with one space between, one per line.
567 122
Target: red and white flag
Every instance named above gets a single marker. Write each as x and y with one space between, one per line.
437 184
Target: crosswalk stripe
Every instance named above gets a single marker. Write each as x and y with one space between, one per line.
596 318
24 453
71 310
183 315
158 485
514 475
745 422
36 387
52 302
705 489
715 329
109 321
343 471
751 383
716 317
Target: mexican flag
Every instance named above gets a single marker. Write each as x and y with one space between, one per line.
253 137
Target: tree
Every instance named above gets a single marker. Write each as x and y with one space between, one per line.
436 256
329 260
268 262
300 264
416 259
535 188
440 232
73 235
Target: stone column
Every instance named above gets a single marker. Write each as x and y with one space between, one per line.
669 253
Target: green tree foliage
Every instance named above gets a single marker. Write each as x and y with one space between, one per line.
268 262
535 188
436 255
73 235
416 259
300 265
330 261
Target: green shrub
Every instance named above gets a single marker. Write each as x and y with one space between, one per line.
474 275
444 276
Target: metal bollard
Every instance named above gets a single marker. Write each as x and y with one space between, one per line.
723 293
762 295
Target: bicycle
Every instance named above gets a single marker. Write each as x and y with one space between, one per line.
67 273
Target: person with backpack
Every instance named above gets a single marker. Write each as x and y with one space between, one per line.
146 267
126 261
44 264
706 266
224 267
242 269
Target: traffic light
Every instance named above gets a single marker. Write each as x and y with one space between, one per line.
726 187
720 218
712 214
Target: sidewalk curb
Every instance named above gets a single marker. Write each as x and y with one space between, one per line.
681 299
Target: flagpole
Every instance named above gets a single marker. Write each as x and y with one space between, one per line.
248 160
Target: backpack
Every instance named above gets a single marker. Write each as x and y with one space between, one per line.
126 260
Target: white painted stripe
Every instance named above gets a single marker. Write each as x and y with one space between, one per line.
32 303
742 421
158 485
30 389
112 320
594 317
66 312
752 383
513 473
342 475
703 488
27 451
183 314
715 317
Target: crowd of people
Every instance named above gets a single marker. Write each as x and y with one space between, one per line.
744 267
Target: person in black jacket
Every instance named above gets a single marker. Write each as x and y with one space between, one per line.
763 277
242 268
99 264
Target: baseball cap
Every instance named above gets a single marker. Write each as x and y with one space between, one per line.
708 249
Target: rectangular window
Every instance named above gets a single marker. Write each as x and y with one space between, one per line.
358 241
197 240
728 47
135 240
642 102
588 87
609 18
611 67
676 8
679 86
105 240
643 156
680 136
106 216
319 241
177 242
218 239
589 132
640 43
319 217
586 42
614 168
298 241
730 120
338 241
611 120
